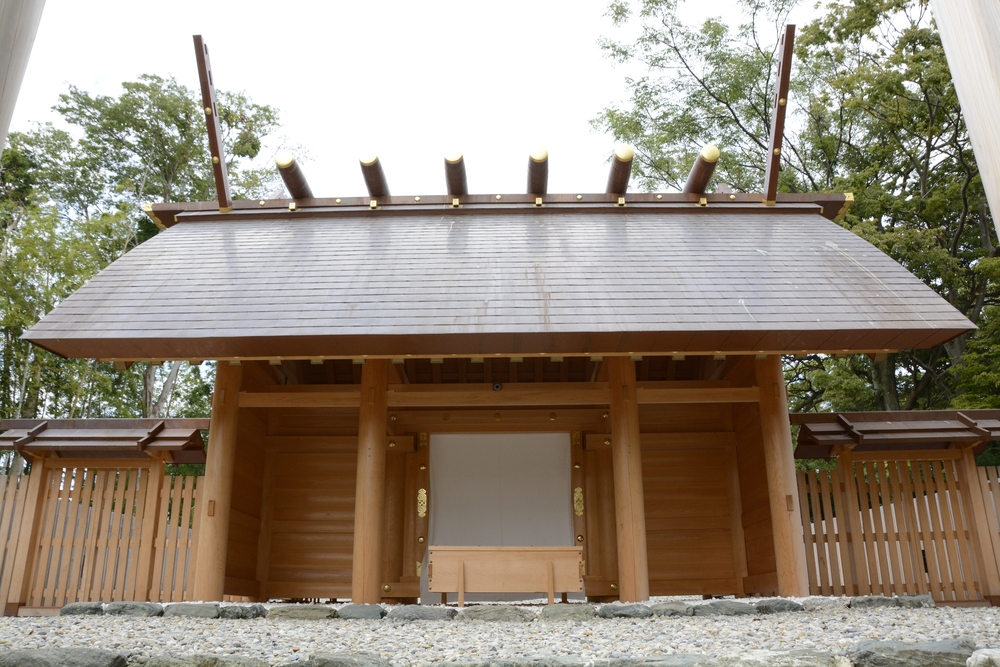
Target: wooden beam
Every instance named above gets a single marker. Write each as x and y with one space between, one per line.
214 125
332 396
511 394
778 116
503 420
630 513
366 579
525 394
782 487
216 490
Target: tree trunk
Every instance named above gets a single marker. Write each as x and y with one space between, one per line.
884 379
32 389
167 391
148 385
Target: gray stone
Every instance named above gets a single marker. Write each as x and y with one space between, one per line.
82 609
205 661
825 603
778 606
503 613
243 611
133 609
724 608
673 609
915 601
567 612
372 612
417 612
62 657
873 602
794 658
624 611
301 612
193 610
948 653
672 660
985 657
323 659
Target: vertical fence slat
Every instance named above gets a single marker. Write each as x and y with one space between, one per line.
904 534
832 507
85 491
810 530
894 566
193 549
966 570
65 536
40 552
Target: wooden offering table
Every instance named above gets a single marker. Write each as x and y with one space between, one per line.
504 570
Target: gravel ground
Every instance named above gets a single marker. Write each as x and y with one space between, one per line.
420 643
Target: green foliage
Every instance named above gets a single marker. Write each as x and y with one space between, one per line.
873 111
71 203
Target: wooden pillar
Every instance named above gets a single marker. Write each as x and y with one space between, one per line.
369 503
216 491
626 458
786 522
27 537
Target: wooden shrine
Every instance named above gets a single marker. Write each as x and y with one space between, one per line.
348 331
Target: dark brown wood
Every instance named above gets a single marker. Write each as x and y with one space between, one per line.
824 435
538 173
785 49
830 205
174 439
214 125
371 169
454 176
702 170
293 177
481 284
621 170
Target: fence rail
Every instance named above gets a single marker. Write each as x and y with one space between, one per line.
110 534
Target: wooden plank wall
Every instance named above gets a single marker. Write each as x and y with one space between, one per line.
693 504
692 511
90 541
762 576
311 521
245 516
908 535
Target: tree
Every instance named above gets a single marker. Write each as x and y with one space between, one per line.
872 111
72 204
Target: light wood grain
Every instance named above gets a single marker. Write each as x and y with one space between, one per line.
369 506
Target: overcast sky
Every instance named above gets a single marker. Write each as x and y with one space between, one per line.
408 80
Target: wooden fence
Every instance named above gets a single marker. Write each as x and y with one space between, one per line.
901 527
109 534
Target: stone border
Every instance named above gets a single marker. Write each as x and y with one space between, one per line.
500 612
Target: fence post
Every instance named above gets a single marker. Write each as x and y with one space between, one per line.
150 522
27 543
859 571
983 539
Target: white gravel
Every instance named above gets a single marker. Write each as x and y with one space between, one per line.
831 630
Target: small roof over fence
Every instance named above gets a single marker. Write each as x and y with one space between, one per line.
823 435
176 440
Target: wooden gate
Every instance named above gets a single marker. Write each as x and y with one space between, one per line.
893 527
106 533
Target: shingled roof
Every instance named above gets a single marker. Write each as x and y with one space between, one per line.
440 281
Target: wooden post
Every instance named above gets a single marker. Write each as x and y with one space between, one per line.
630 511
366 577
27 538
147 543
786 522
215 494
984 540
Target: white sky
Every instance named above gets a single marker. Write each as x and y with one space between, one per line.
409 80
